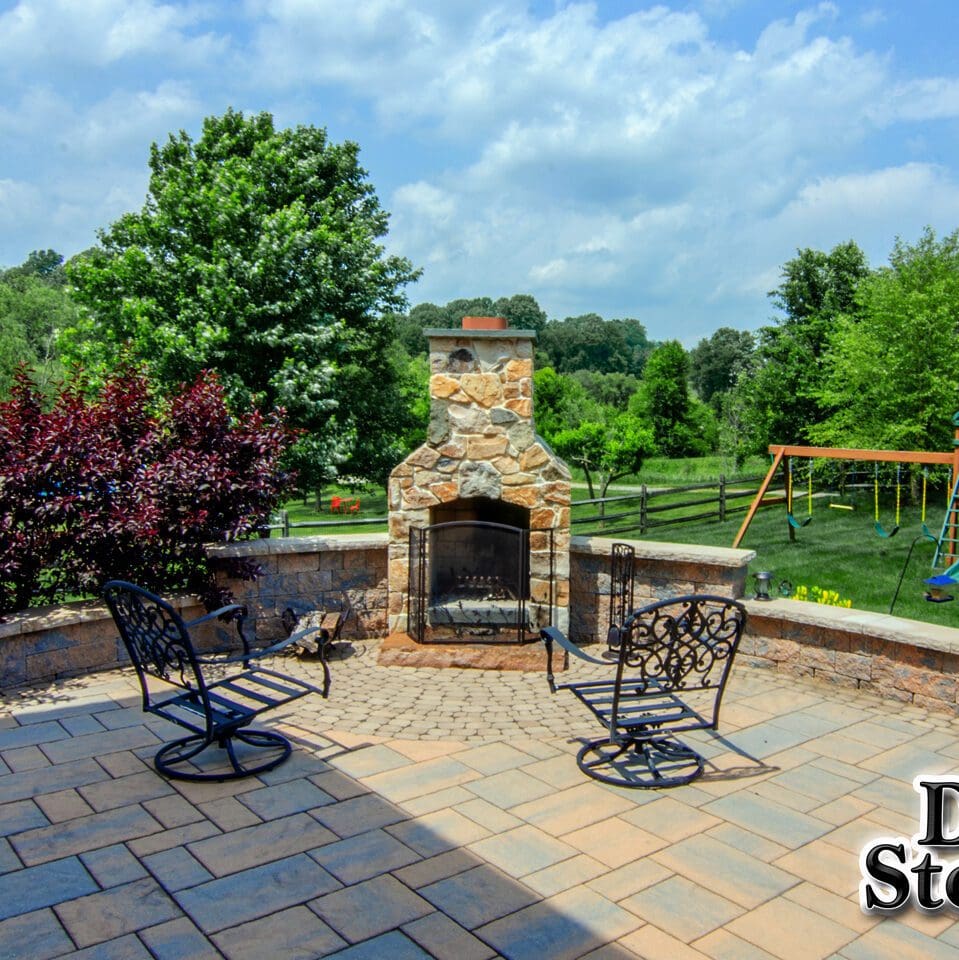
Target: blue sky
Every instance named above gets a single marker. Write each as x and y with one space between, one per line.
630 159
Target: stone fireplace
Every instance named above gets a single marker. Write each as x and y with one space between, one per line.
479 515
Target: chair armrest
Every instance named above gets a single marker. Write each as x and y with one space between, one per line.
551 635
230 608
554 635
264 652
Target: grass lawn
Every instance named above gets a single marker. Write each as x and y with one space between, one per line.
838 550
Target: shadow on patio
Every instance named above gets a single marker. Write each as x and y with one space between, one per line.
440 813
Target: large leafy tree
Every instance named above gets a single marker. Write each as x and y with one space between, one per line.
892 373
715 363
782 391
34 307
606 449
257 255
681 426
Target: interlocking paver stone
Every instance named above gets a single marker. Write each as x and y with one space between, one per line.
478 896
725 870
363 856
113 865
371 908
255 893
762 816
114 912
179 940
682 908
62 776
394 945
131 789
562 928
370 761
419 779
21 815
791 932
177 869
293 796
96 744
510 788
83 833
436 832
358 814
444 939
250 846
43 886
29 736
297 932
523 850
8 859
40 929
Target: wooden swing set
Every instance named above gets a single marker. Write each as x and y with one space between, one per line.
899 457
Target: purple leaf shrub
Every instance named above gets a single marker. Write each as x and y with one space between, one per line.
128 485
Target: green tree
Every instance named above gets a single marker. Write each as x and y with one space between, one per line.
34 307
609 389
257 255
591 343
782 395
522 311
606 449
892 371
715 363
560 403
663 401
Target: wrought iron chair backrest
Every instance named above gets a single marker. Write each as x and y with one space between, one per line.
682 644
156 638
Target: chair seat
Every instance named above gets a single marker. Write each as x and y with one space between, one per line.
234 701
644 707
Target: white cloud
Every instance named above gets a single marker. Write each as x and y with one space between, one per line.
99 33
632 166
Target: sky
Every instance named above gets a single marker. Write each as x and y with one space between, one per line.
655 161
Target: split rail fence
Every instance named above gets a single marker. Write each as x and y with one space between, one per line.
638 512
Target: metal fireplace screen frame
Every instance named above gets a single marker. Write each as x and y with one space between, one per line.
469 582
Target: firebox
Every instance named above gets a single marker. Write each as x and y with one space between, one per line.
479 515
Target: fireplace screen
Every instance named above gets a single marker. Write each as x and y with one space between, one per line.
470 581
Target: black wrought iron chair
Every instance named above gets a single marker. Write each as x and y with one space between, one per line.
674 658
216 712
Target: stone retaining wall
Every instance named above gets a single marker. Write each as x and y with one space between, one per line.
661 570
902 660
906 661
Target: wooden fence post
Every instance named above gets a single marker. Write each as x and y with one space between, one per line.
642 509
722 498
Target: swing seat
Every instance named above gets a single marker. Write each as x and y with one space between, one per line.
929 535
886 533
797 524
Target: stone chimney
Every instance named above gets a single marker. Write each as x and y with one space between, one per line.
483 459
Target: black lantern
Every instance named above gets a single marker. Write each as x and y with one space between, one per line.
763 579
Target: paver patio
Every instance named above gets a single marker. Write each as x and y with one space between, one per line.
440 813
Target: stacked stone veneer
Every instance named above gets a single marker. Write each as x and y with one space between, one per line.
482 442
